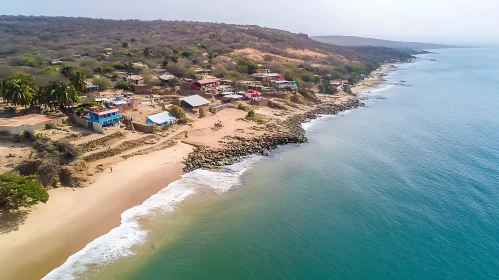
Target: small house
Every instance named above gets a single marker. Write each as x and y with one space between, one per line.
103 116
194 101
136 80
165 79
205 84
285 84
91 88
268 77
163 118
30 123
263 71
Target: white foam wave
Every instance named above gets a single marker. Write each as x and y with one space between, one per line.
308 125
119 241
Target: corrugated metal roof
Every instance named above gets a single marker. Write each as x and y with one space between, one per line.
195 100
166 77
161 118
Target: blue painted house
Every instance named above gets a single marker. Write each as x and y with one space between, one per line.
104 116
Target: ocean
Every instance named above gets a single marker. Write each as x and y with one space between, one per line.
404 188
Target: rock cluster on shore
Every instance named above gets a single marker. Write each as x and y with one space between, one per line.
278 133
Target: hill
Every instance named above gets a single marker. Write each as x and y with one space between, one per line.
360 41
28 44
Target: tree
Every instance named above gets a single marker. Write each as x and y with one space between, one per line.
133 40
78 81
67 95
175 52
67 71
211 55
102 83
186 54
177 111
122 85
165 63
108 70
19 89
20 191
129 54
125 45
98 70
147 52
174 59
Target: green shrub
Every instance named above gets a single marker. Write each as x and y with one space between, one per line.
20 191
26 135
178 112
122 85
251 114
49 126
242 107
102 83
4 133
184 121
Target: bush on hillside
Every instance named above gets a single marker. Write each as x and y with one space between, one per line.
122 85
177 111
102 83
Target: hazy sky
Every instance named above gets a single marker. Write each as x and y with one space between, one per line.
439 21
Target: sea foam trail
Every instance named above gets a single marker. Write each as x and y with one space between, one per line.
119 241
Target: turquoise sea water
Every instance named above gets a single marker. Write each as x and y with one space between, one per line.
406 188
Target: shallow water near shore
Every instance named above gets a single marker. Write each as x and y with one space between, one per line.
405 188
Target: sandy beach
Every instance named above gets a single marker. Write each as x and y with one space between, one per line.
74 217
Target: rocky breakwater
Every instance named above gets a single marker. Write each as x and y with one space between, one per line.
278 133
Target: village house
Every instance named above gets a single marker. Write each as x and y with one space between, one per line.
263 71
108 51
285 84
136 80
29 123
194 101
161 119
91 88
206 84
268 77
101 117
165 79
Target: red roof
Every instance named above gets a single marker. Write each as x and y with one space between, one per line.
208 81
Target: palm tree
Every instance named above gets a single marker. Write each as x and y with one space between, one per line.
147 52
78 81
174 59
49 97
67 95
19 88
211 56
67 71
3 88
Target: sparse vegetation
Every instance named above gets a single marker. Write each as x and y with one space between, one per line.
242 107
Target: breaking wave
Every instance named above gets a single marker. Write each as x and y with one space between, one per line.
119 241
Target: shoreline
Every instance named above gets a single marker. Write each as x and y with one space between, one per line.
75 217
